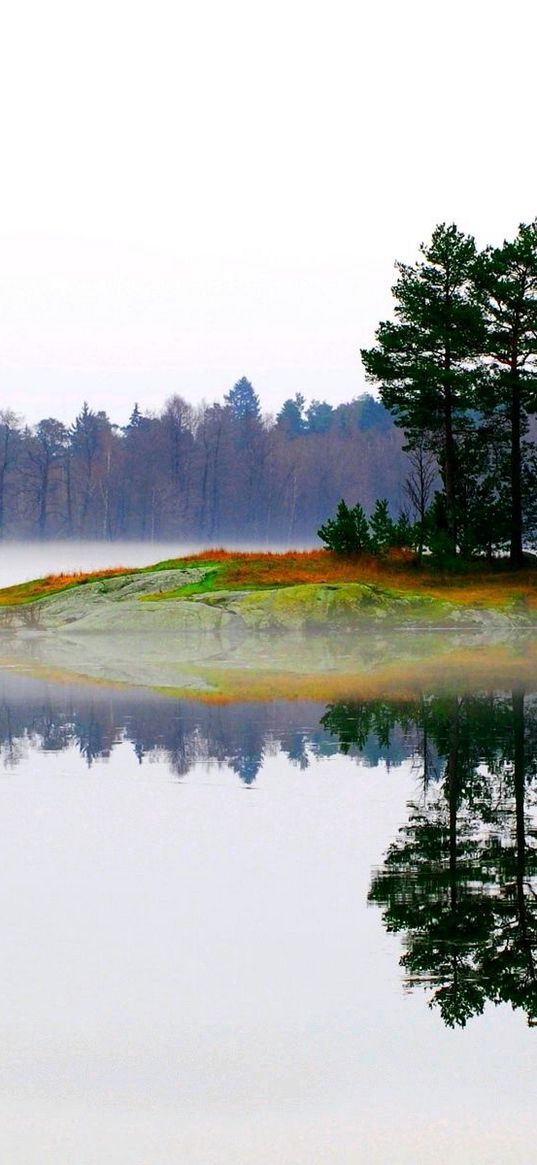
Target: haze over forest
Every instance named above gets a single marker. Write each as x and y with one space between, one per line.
214 472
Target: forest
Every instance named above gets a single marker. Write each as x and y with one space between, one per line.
445 461
210 473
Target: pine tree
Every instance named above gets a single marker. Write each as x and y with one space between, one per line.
383 528
291 416
425 360
243 401
506 279
320 416
348 532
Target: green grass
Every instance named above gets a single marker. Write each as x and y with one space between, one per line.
203 586
218 577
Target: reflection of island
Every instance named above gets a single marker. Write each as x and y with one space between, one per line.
95 721
460 881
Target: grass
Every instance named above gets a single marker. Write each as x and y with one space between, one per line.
52 584
483 585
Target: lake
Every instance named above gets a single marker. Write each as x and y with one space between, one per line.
278 931
296 928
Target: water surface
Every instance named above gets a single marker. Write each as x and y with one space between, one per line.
284 931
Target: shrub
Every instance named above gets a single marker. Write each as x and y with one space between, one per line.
347 532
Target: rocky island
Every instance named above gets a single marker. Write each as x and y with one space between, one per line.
225 623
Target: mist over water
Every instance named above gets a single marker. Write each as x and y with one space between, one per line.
197 912
21 561
254 929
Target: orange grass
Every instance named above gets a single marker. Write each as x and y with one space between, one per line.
52 584
484 586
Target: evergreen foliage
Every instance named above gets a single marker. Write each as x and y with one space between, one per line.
457 368
425 359
506 281
383 528
291 416
347 532
243 401
320 416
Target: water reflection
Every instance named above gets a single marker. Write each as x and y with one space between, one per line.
52 717
458 883
460 880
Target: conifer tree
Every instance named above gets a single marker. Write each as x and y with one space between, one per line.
425 360
291 416
348 532
243 401
383 528
506 282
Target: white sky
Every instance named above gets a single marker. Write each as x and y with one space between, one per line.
193 191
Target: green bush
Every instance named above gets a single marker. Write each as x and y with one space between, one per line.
347 532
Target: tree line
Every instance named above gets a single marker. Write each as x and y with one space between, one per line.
209 473
457 368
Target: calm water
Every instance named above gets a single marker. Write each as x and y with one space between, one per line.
277 934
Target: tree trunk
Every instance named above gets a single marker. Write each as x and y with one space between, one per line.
450 464
450 452
2 495
68 495
453 778
453 782
516 555
43 501
3 470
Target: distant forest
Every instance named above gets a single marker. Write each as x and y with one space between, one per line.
212 473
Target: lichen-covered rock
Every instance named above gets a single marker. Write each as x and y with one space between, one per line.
113 604
342 605
123 604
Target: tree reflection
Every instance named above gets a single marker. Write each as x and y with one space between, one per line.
459 883
95 723
460 880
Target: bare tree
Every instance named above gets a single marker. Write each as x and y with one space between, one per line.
9 436
420 485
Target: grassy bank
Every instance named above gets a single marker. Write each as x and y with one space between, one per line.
481 586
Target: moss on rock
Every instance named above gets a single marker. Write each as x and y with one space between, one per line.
337 605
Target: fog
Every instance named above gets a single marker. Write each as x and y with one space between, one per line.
21 561
194 192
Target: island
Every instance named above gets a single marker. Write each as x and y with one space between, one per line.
224 624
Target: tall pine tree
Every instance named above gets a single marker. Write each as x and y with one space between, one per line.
506 280
424 361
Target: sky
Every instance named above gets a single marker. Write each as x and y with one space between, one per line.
193 192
